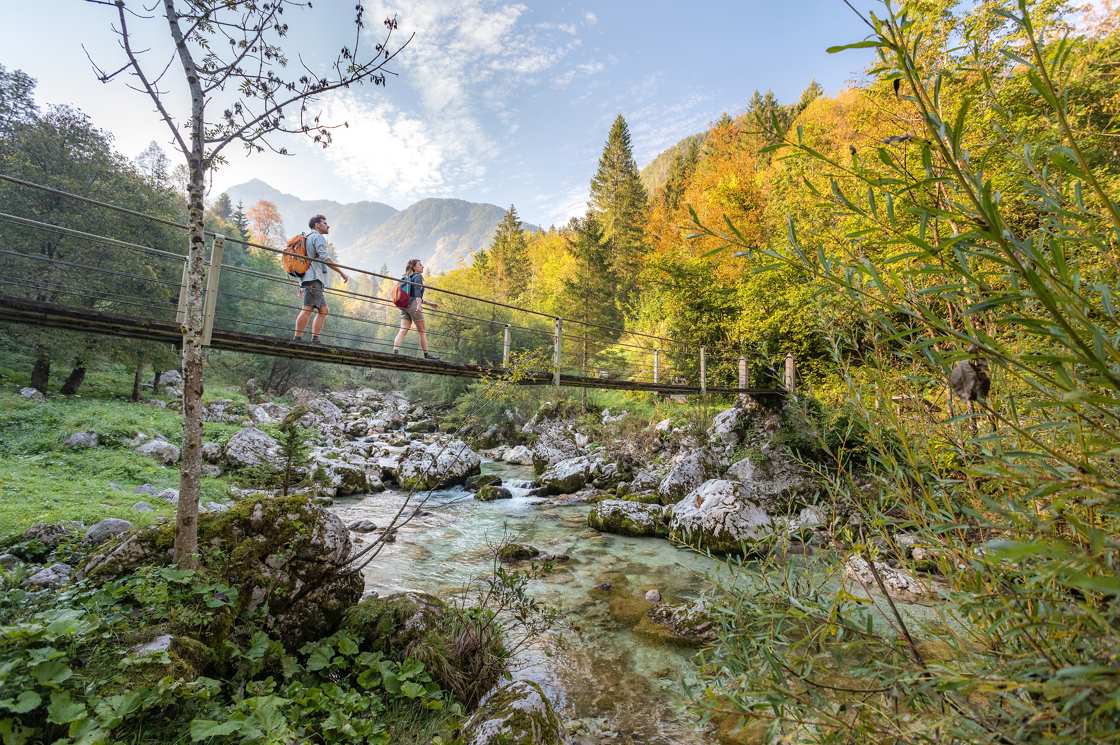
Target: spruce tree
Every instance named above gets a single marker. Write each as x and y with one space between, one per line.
241 221
590 294
508 257
619 204
223 208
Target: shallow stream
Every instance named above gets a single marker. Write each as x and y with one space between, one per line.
618 685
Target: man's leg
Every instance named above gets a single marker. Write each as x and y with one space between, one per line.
317 324
301 321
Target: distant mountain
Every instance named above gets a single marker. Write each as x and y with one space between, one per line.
442 232
657 170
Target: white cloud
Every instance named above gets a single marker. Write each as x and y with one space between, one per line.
562 207
590 18
469 62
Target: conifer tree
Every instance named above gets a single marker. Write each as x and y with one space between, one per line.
619 203
223 208
590 294
508 258
241 221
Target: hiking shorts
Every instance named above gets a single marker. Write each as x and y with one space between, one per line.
412 312
313 295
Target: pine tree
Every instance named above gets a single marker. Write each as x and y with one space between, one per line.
591 292
223 208
241 221
619 204
508 258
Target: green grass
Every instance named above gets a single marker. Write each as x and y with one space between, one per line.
43 481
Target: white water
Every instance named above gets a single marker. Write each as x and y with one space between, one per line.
623 686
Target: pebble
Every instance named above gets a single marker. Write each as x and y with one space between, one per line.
653 596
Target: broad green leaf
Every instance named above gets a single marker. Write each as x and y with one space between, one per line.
63 709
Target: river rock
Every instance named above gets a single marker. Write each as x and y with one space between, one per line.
32 394
345 477
81 440
570 475
516 714
687 624
435 465
363 526
322 414
55 575
727 426
776 480
482 479
291 562
518 552
518 455
161 450
717 516
653 596
687 470
252 447
900 584
629 518
104 530
491 492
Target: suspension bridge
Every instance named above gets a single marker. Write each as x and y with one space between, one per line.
64 272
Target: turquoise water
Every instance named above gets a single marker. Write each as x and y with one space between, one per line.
611 683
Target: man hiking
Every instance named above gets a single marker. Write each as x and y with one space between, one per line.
314 280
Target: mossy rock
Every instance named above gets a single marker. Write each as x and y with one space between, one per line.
516 714
645 497
492 492
625 517
483 479
461 648
518 552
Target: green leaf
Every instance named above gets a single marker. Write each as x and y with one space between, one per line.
204 729
867 44
320 657
26 701
412 689
63 709
51 673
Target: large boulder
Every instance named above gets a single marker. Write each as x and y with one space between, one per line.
462 651
556 441
32 394
322 414
286 557
727 426
687 470
38 542
516 714
629 518
251 447
776 480
719 517
518 455
55 575
347 477
160 450
224 411
268 413
436 465
172 381
570 475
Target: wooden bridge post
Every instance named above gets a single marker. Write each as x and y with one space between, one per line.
656 366
790 382
744 382
506 338
556 350
217 251
703 371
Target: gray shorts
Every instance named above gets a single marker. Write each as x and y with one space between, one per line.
412 312
313 296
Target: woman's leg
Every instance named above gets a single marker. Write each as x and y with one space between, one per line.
420 329
406 324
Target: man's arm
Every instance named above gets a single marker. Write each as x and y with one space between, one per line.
337 269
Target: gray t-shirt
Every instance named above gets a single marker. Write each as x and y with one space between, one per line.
317 249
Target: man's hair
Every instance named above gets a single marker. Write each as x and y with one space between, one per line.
315 221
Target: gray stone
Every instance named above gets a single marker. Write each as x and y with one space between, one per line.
80 440
32 394
161 450
252 447
158 645
687 471
55 575
519 456
727 424
143 507
169 495
211 470
145 489
172 378
570 475
436 465
653 596
363 526
268 413
491 492
211 452
518 713
9 561
718 516
106 529
214 507
900 584
663 426
628 518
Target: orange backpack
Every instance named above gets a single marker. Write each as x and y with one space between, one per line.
295 260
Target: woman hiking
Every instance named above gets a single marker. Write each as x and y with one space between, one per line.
413 314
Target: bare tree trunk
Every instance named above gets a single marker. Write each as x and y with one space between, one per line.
41 372
190 466
75 378
136 383
156 372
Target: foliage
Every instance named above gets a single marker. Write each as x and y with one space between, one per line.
977 231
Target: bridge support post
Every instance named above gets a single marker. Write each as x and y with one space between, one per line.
217 251
506 339
556 349
656 366
703 371
790 379
744 382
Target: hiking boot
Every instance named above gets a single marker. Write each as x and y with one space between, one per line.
297 339
431 357
396 351
315 340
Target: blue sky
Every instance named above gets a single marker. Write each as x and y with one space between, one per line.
503 102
